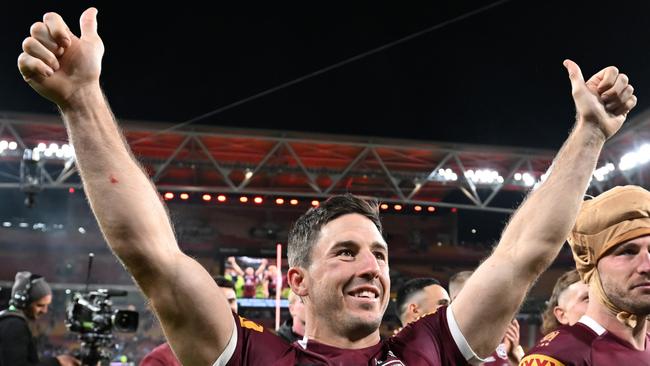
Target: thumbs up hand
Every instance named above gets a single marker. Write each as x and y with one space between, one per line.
59 65
602 101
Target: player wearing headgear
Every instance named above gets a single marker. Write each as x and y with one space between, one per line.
611 246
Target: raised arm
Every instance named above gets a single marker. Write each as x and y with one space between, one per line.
65 69
536 232
261 268
235 266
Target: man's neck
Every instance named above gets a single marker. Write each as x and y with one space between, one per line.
634 336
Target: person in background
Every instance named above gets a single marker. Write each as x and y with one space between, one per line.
567 304
293 329
30 298
610 242
235 274
419 297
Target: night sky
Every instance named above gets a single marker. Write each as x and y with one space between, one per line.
493 78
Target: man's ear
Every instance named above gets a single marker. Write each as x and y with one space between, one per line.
298 281
560 315
413 308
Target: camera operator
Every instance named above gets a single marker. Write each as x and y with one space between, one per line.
30 298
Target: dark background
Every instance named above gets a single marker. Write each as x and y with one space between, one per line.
492 78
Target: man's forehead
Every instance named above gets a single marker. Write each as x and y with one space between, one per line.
642 240
45 300
351 227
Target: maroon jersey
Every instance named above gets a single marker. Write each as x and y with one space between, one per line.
160 356
250 283
585 343
427 341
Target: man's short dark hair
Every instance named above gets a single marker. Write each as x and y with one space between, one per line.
409 289
305 231
224 282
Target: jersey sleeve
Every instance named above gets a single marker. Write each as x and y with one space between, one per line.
434 339
251 344
566 346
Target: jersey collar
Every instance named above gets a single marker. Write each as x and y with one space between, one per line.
592 324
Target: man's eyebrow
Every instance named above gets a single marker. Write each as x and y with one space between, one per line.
345 243
627 245
378 244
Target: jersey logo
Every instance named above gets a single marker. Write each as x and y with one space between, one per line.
391 360
539 360
548 338
245 323
502 352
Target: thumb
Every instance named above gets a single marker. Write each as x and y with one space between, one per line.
88 22
575 75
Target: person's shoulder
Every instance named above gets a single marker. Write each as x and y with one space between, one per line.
428 338
12 319
160 355
253 336
570 345
162 348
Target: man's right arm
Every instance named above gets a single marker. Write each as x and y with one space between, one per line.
65 69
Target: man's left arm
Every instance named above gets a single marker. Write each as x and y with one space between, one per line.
536 232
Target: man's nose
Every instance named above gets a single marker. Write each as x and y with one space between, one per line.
369 265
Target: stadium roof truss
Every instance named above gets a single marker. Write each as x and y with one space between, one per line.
288 164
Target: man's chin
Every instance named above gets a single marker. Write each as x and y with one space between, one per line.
366 319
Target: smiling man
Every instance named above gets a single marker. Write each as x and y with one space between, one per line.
337 253
611 246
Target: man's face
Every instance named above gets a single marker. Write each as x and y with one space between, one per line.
348 284
625 275
231 297
572 303
297 310
249 271
38 308
434 296
426 301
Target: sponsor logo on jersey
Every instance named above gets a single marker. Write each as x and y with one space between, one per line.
245 323
548 338
539 360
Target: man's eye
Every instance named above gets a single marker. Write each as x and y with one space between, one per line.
344 253
380 256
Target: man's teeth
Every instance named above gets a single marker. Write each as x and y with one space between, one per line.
368 294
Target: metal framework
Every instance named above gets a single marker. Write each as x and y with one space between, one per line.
288 164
